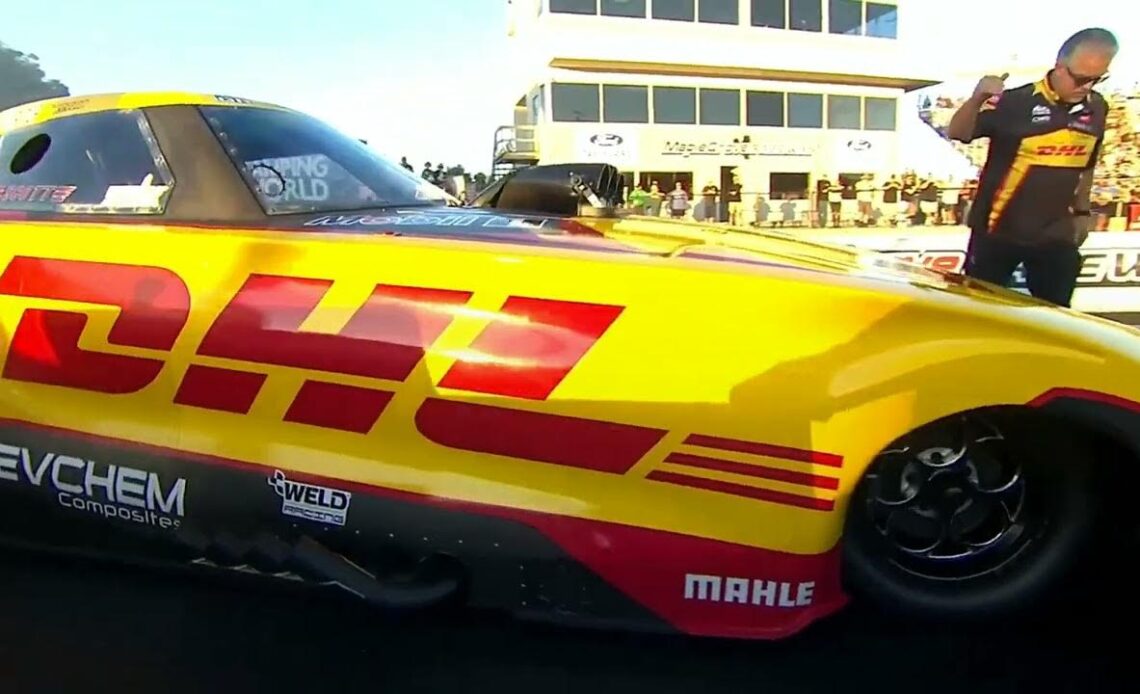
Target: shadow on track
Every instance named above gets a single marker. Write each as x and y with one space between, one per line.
71 626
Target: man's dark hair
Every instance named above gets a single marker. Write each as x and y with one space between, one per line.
1093 36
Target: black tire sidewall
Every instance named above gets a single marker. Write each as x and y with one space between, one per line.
1061 486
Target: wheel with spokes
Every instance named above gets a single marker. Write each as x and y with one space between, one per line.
975 516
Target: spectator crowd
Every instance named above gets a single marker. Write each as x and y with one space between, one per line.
452 179
908 199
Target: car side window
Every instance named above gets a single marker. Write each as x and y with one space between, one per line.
98 163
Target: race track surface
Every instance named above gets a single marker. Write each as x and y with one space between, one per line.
67 626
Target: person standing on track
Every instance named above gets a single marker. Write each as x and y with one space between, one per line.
1033 198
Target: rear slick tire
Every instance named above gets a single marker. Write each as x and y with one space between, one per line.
1055 518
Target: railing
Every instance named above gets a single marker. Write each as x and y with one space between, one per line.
515 142
811 210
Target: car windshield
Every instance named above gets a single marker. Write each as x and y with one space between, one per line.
296 163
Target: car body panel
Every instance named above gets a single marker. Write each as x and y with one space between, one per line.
680 361
670 406
46 110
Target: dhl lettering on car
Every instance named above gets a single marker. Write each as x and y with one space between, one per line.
529 348
385 339
154 305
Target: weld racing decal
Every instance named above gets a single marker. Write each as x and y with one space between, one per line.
311 501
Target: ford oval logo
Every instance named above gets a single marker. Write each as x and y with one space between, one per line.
859 145
606 140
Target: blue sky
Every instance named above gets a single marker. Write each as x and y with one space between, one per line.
420 77
390 71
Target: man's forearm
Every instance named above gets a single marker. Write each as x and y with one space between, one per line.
962 124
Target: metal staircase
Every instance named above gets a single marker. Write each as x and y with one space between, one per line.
515 148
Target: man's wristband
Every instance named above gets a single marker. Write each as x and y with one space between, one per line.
1082 213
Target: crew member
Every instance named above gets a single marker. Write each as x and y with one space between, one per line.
1033 199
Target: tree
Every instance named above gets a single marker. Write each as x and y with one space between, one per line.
22 80
456 171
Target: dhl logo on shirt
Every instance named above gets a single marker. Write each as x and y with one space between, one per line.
1062 148
1062 151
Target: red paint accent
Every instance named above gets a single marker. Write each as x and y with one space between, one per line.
645 564
153 301
45 350
576 228
765 449
334 406
761 471
219 389
650 566
588 444
385 338
153 305
1079 394
743 490
529 358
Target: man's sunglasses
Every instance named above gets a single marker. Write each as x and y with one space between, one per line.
1082 80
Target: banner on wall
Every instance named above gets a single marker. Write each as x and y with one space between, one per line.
1109 281
618 148
734 147
859 154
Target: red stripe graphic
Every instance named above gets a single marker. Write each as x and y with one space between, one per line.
219 389
1080 394
546 438
334 406
765 449
385 338
742 490
763 472
529 352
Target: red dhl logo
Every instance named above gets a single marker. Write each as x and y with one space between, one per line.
526 354
1062 150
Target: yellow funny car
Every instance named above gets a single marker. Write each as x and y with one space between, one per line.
237 339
